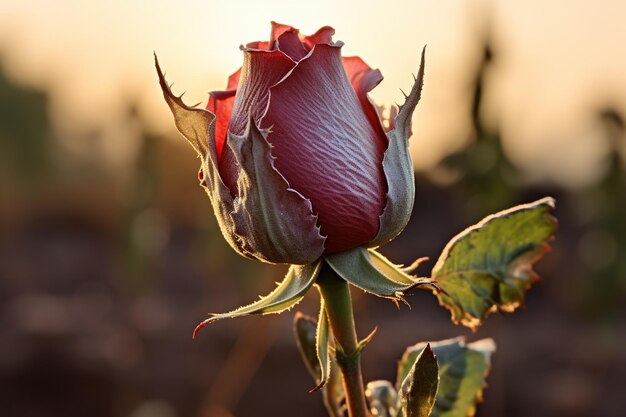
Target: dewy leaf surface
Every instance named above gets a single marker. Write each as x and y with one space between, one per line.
489 265
419 388
463 369
288 293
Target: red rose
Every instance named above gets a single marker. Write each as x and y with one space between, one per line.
295 158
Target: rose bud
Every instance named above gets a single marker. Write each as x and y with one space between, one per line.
295 158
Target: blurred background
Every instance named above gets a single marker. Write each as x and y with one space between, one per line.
110 254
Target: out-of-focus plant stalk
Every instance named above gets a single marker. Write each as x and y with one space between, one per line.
338 303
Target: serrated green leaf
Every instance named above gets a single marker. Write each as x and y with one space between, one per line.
463 369
360 267
489 265
288 293
382 398
418 389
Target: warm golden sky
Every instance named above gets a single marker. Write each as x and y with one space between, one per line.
560 60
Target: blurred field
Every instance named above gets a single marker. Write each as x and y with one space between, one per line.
110 255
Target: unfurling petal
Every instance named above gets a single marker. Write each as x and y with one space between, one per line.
260 70
278 29
261 45
399 168
326 148
290 44
323 35
275 222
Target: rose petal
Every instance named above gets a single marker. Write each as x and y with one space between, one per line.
221 105
363 80
233 80
260 70
327 149
262 45
323 35
290 43
278 29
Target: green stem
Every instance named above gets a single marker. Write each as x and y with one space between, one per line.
338 303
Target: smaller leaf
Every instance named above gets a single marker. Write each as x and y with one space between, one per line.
382 398
419 388
305 331
321 347
373 273
333 393
287 294
489 266
463 370
366 341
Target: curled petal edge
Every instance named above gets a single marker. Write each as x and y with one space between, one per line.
398 168
276 222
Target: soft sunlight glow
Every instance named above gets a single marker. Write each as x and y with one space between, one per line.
97 55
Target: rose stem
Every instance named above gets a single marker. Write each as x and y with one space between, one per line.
336 294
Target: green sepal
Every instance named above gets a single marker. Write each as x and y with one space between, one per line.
275 222
371 272
288 293
192 122
463 370
198 127
489 266
418 389
398 168
397 273
382 398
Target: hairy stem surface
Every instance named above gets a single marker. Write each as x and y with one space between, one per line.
338 303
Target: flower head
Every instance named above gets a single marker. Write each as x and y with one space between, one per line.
299 168
294 155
